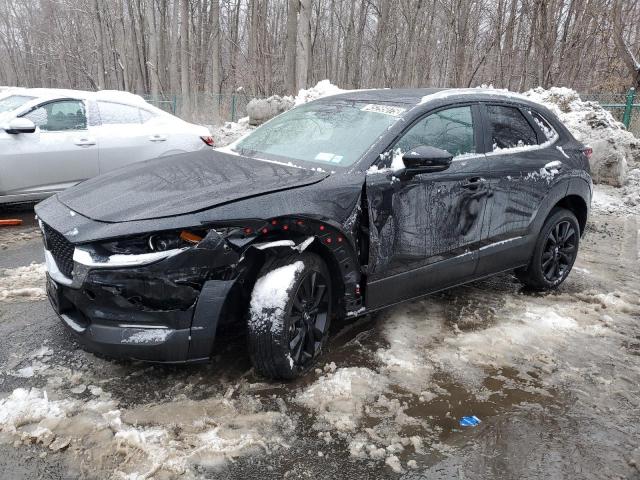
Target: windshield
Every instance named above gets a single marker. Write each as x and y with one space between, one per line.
331 134
12 102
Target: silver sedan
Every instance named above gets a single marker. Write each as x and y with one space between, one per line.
51 139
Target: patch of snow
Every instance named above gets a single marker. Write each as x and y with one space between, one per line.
270 295
23 282
339 398
148 335
324 88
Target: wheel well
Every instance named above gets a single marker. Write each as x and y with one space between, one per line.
578 207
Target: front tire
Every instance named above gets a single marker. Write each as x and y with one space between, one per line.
289 315
555 252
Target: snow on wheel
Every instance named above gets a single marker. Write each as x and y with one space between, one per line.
289 315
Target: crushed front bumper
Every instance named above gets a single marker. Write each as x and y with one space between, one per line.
166 311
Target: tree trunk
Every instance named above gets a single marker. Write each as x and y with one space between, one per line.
303 52
290 54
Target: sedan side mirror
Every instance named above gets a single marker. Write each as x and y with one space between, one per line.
425 159
20 125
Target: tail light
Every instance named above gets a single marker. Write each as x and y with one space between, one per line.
588 151
208 140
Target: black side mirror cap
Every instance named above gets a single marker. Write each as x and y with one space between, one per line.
426 159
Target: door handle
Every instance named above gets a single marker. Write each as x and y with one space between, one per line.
555 165
85 142
474 183
157 138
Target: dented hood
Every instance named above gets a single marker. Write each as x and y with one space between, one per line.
181 184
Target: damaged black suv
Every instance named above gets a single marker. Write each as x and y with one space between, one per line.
334 209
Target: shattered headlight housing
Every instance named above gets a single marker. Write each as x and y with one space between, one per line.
160 241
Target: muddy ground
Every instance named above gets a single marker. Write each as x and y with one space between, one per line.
554 378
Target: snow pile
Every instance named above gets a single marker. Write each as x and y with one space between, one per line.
324 88
619 201
270 295
262 109
230 132
613 146
23 282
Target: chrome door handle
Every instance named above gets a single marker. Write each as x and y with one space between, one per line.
157 138
85 142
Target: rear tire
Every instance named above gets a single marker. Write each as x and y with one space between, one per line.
289 315
555 252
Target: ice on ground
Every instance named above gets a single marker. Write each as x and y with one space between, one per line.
210 431
23 282
270 295
339 398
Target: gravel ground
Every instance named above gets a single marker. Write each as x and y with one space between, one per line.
554 378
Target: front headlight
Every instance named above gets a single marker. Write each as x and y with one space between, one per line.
150 243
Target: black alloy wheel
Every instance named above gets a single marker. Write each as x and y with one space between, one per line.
309 318
555 251
286 340
560 251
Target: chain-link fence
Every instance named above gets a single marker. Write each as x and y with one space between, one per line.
211 109
625 107
204 108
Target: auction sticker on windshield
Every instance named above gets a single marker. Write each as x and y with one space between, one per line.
384 109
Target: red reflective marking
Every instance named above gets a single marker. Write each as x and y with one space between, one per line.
321 227
328 240
247 231
264 230
285 227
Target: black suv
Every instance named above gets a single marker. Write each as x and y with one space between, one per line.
336 208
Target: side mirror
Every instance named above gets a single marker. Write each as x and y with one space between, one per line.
20 125
424 159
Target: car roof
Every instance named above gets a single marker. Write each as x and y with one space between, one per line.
422 96
45 94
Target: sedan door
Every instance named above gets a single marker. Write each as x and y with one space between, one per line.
524 166
425 230
60 153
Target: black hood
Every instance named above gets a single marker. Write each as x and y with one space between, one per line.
181 184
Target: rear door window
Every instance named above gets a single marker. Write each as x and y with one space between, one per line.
508 128
118 114
450 130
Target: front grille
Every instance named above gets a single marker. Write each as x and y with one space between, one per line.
61 249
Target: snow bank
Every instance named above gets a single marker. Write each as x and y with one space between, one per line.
614 148
323 88
261 110
23 282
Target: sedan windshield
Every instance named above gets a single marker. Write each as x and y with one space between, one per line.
332 134
12 102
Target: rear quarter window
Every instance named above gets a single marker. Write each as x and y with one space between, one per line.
549 133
